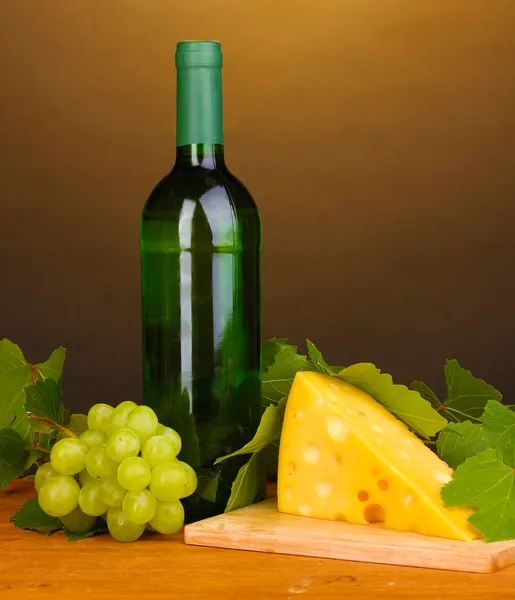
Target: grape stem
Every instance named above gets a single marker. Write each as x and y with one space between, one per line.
62 429
36 449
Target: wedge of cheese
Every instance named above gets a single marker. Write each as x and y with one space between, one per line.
344 456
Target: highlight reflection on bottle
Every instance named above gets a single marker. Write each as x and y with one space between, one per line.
200 253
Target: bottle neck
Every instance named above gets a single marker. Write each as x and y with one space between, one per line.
206 156
199 106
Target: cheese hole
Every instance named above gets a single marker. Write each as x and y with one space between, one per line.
374 513
292 467
362 413
363 496
382 484
324 489
337 429
311 453
407 500
339 517
305 509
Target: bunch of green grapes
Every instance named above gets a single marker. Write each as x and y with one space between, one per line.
123 468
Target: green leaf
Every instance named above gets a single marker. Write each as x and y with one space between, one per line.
271 455
53 367
499 430
31 516
426 392
249 483
11 357
467 396
12 456
16 374
269 350
318 360
268 431
459 441
485 482
407 405
99 527
44 400
277 379
207 487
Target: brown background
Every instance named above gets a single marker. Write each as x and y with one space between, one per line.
377 136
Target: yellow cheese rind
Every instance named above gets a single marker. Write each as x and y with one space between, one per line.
344 456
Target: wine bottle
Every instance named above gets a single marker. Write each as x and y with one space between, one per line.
201 296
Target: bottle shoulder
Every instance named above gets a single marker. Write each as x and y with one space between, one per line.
198 185
202 207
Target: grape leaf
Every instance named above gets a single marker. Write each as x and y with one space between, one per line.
31 516
426 392
466 395
12 408
269 350
16 374
99 527
250 481
459 441
53 367
485 482
277 379
268 431
12 456
44 400
407 405
318 360
499 430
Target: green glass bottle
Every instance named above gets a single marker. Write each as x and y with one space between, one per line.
200 252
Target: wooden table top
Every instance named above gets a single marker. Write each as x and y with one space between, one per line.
163 567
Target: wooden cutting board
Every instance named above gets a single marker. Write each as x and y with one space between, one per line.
262 528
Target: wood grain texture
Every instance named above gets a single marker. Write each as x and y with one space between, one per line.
263 528
163 567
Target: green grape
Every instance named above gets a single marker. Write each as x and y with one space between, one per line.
112 492
134 474
122 444
169 517
93 437
85 477
59 495
157 450
168 481
98 416
139 507
191 481
78 423
77 521
118 418
120 528
90 499
172 435
143 421
68 456
99 465
43 473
